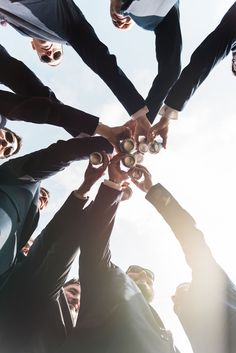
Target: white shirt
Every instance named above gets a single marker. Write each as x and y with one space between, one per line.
151 7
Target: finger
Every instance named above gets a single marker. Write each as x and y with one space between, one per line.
135 182
164 142
136 135
105 160
142 168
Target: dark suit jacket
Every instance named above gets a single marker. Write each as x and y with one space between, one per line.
40 320
114 317
38 279
62 21
211 51
207 310
33 102
20 178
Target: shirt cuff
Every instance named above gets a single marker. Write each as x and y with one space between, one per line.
168 112
112 185
141 112
79 196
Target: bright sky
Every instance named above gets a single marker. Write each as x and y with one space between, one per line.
197 166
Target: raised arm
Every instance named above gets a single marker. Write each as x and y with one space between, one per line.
54 250
20 79
47 162
95 246
191 239
211 51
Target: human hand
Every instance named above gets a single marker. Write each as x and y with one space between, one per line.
116 174
119 21
114 134
92 174
146 182
142 128
161 129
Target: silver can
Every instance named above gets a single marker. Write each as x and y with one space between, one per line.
127 145
129 160
139 157
96 158
154 147
142 147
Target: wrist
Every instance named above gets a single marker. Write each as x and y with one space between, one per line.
114 184
102 130
140 113
168 112
83 190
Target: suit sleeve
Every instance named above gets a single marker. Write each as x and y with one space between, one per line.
47 162
96 55
191 239
42 110
20 79
54 250
210 52
95 268
99 224
168 55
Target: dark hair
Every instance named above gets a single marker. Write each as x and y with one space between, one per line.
232 65
45 190
72 281
233 71
18 139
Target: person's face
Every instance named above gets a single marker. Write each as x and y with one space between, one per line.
48 52
8 143
234 63
72 292
144 280
43 199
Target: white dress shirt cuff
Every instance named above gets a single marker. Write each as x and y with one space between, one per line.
141 112
169 112
112 185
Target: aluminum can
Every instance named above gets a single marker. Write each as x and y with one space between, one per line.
96 158
127 145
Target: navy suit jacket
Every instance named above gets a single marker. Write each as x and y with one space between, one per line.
114 317
62 21
33 102
214 48
38 279
20 178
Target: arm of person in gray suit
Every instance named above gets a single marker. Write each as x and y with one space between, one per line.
49 161
20 79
